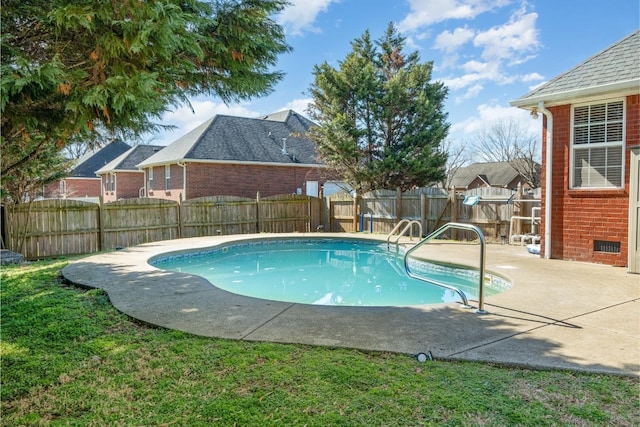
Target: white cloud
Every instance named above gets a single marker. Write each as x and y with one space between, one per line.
424 13
299 106
531 77
456 83
489 114
451 41
497 49
471 93
300 15
514 41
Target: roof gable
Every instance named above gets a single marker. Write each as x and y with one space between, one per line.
88 165
129 160
615 68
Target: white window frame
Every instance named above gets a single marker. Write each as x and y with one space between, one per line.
167 177
151 178
589 146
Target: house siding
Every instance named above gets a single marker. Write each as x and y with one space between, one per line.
581 216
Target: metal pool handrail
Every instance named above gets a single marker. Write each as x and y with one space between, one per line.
404 230
483 245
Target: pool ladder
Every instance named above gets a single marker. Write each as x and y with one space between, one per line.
483 244
408 226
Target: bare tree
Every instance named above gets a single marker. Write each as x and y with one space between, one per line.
508 141
457 157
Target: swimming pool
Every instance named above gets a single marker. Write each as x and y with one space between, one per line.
326 272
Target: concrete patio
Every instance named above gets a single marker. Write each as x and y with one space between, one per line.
557 315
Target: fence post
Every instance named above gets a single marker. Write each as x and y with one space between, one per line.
258 212
101 235
356 211
398 205
454 212
424 212
321 208
180 217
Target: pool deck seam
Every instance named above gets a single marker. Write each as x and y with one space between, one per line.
265 323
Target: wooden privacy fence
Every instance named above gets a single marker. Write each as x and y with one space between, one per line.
50 228
379 211
58 227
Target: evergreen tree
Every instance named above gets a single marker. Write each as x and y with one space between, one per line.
72 67
381 119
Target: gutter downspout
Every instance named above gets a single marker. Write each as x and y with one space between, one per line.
548 181
184 180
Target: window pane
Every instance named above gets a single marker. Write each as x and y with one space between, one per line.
580 163
597 134
581 115
614 132
614 176
598 113
581 135
615 111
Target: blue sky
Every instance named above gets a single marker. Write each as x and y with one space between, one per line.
488 52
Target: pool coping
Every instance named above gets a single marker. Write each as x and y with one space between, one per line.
558 315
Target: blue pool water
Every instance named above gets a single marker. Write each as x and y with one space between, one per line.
326 272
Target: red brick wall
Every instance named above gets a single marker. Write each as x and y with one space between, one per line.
216 179
127 186
581 216
160 191
75 187
246 180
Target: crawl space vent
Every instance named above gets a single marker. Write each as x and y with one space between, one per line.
605 246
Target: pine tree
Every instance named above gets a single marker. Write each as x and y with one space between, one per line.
381 119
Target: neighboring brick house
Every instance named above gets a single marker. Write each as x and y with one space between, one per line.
238 156
82 181
121 178
488 174
590 169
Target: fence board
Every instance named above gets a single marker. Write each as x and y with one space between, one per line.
49 228
287 213
132 222
341 213
210 216
433 207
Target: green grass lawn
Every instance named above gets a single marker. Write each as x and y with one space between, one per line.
69 358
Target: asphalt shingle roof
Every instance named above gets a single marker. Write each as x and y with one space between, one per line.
276 138
129 160
496 174
88 165
615 64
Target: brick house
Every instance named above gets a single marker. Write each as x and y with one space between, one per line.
591 151
488 174
82 181
238 156
121 178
